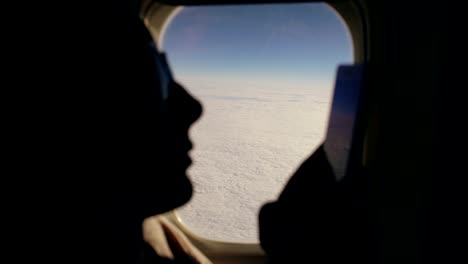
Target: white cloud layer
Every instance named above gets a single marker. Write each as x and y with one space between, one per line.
246 145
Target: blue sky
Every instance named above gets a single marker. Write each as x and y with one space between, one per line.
287 43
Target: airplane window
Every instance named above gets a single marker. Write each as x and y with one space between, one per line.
265 76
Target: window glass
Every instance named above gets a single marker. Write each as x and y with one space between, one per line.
264 75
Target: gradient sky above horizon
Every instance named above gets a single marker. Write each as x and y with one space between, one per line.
283 44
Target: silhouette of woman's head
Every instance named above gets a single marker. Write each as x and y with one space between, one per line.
130 147
140 119
97 147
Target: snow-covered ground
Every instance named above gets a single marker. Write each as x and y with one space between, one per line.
247 144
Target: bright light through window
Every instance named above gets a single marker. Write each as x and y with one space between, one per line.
265 76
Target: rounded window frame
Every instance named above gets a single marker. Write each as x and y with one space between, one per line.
157 16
